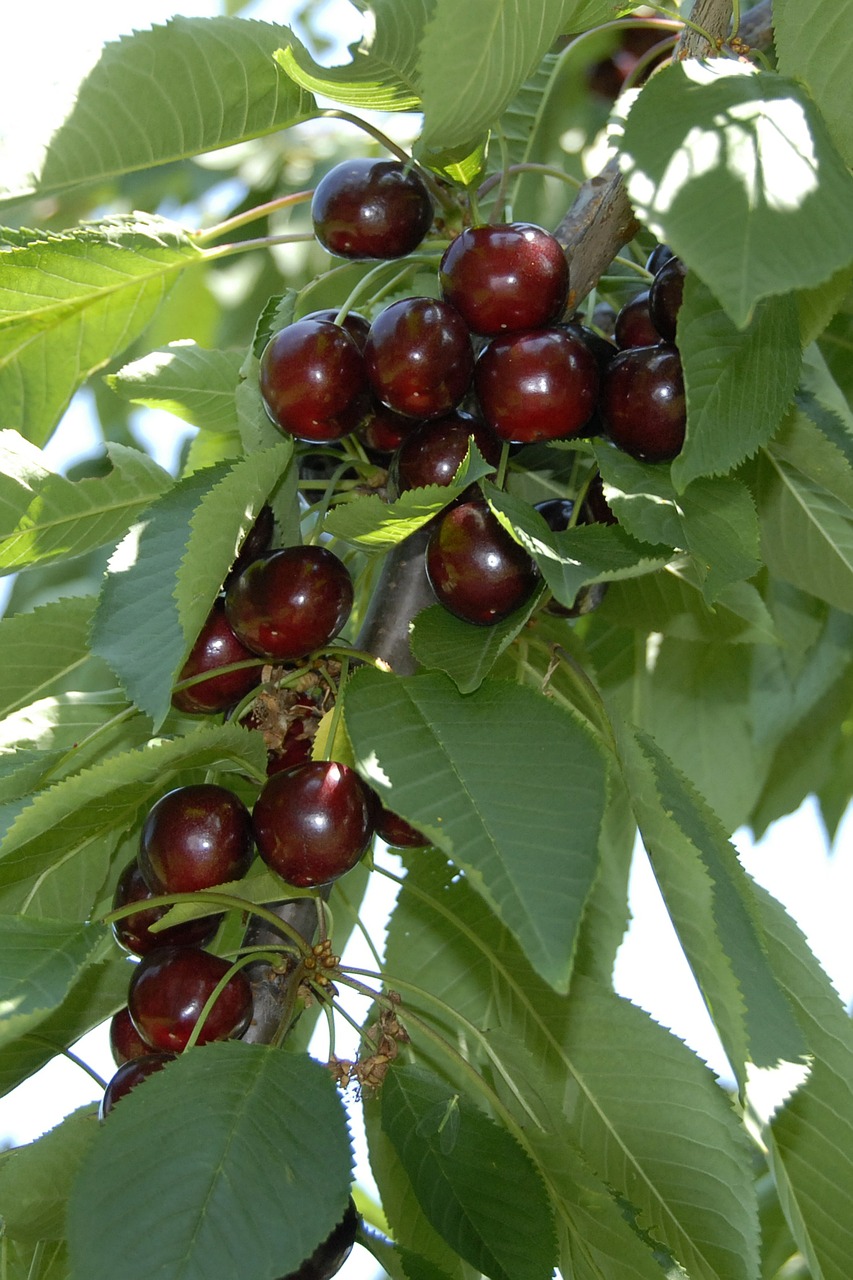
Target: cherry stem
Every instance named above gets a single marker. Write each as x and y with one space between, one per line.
251 215
684 22
643 63
429 181
500 478
243 665
228 900
264 242
547 170
498 213
62 1052
359 924
217 992
329 745
318 509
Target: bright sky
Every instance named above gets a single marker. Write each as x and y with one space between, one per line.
37 80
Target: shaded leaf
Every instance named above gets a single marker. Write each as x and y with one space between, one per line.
44 650
35 1179
813 44
464 651
39 962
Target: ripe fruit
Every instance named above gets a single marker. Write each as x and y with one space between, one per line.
418 357
256 541
665 294
634 326
195 837
395 831
133 932
366 208
383 430
476 569
505 278
356 325
216 646
313 382
129 1075
433 451
541 384
125 1041
313 823
169 989
642 403
289 602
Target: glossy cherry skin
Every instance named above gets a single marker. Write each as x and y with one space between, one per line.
419 357
366 208
505 278
477 571
665 295
383 430
133 932
658 256
313 382
541 384
256 541
194 838
328 1258
356 325
289 602
313 823
396 832
596 509
643 405
129 1075
217 646
433 451
169 989
125 1041
634 326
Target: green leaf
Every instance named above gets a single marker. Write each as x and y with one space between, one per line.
40 961
539 786
732 406
44 651
193 85
813 44
196 385
35 1179
752 145
383 73
63 826
465 652
475 57
44 517
474 1182
72 301
671 603
257 1140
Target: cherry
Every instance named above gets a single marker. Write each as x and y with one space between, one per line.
133 932
129 1075
634 326
540 384
194 838
505 278
477 570
296 748
289 602
383 430
419 358
643 405
329 1256
313 382
366 208
216 646
313 822
600 347
356 325
169 989
256 541
125 1041
596 509
665 294
658 256
395 831
432 452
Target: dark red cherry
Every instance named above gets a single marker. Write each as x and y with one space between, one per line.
169 989
217 646
556 512
643 405
256 541
296 747
133 932
419 358
634 326
658 256
395 831
313 382
665 294
505 278
194 838
432 451
477 570
125 1041
328 1258
600 347
383 430
356 325
366 208
129 1075
541 384
289 602
313 822
596 509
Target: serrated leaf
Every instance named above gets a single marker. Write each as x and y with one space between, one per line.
72 301
35 1179
183 378
813 44
752 144
464 651
44 517
539 786
39 962
67 821
732 407
671 604
474 1182
193 85
257 1139
44 650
